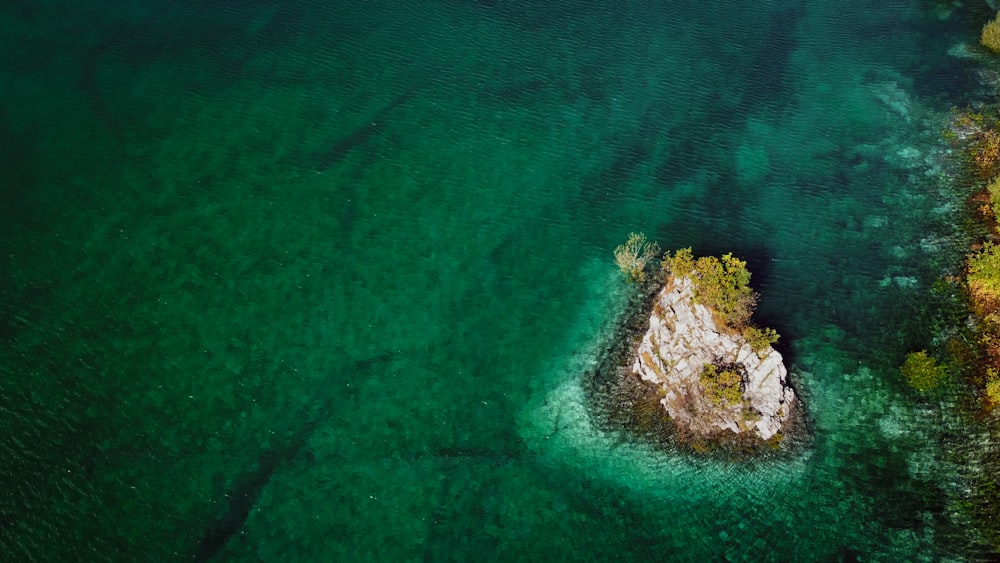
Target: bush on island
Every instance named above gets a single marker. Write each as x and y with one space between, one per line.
632 256
985 152
990 37
992 387
760 339
993 189
984 280
980 136
722 385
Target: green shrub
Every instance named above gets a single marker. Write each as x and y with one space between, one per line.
722 385
760 339
680 264
990 37
922 371
992 387
984 279
632 256
723 287
994 190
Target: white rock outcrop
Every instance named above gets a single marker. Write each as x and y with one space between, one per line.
682 338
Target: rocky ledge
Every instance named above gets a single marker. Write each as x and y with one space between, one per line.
711 380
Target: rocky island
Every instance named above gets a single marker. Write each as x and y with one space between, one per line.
690 346
712 380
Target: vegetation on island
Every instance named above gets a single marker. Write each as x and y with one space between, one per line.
983 282
633 256
722 285
723 384
990 37
978 132
993 189
970 346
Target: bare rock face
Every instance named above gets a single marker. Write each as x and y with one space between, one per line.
682 338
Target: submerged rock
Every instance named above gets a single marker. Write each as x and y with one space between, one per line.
682 339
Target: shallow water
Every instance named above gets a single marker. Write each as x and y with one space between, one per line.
319 281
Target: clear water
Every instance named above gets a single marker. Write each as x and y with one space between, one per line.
319 281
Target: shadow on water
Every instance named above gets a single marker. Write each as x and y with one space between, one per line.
767 80
360 135
242 496
171 28
768 89
937 75
246 489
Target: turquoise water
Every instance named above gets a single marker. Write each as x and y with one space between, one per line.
309 281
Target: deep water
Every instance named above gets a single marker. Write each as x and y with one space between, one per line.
320 281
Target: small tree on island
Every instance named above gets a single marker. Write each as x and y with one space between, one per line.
723 385
633 256
990 37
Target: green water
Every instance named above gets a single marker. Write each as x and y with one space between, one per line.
311 281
